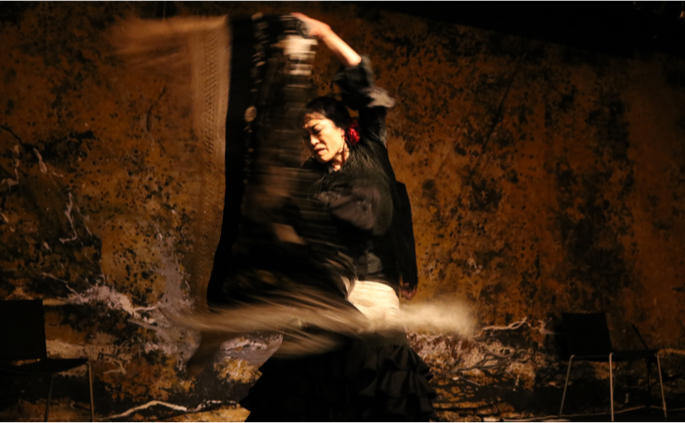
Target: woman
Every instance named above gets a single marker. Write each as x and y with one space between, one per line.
379 377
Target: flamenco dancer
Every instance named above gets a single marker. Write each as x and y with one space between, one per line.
326 267
376 377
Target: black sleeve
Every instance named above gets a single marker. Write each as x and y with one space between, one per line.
407 247
359 93
365 203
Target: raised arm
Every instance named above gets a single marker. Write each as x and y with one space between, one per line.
355 80
347 56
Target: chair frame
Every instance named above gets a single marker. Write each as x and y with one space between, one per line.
90 386
600 357
37 351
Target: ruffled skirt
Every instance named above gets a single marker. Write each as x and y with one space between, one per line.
375 378
366 380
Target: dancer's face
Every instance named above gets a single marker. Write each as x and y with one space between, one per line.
324 138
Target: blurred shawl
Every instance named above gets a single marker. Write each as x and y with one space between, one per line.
193 56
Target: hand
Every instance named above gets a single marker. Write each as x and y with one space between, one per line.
407 291
347 56
315 28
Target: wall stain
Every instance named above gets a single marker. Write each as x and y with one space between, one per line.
611 127
485 196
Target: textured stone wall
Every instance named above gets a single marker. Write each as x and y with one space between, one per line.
543 179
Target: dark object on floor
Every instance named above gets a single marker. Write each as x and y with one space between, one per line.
22 331
587 335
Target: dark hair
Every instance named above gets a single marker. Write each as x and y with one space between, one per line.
331 109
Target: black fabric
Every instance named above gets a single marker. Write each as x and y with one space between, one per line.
407 246
359 93
269 139
373 209
242 50
372 379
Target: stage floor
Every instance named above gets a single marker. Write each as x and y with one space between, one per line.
635 415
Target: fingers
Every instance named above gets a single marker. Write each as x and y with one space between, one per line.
408 292
305 18
315 28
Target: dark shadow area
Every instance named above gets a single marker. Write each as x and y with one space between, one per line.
615 28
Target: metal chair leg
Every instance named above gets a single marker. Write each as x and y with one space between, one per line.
611 386
47 405
661 382
563 396
90 384
648 404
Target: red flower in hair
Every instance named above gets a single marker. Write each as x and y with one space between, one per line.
353 132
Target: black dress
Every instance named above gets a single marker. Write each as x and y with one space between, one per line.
378 377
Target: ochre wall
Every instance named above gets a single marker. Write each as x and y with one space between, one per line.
543 179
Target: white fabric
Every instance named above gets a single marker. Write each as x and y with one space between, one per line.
377 301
